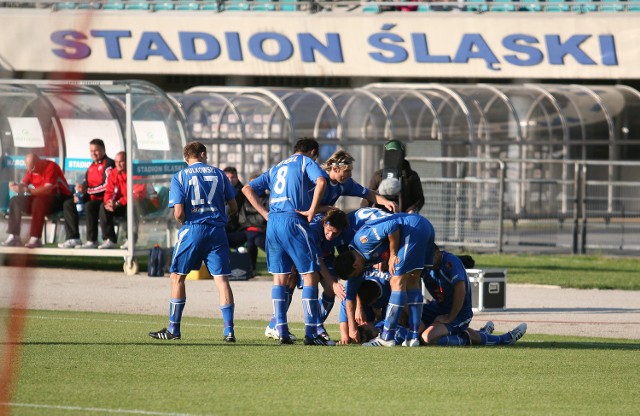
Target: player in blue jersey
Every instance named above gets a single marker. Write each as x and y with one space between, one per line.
409 241
448 315
367 296
291 208
325 229
333 236
339 168
199 194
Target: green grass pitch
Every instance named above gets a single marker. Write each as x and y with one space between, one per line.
79 363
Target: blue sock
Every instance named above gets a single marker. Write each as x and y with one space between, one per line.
176 307
289 294
488 339
326 304
279 299
397 300
311 310
227 318
452 340
414 304
290 291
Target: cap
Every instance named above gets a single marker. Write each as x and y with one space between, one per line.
394 145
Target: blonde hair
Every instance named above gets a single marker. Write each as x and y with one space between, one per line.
338 158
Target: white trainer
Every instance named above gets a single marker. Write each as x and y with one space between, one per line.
274 334
12 241
107 244
411 342
517 333
125 245
271 333
90 244
488 328
70 243
379 342
34 242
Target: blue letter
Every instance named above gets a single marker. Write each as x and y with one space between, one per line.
379 40
608 50
146 47
233 46
511 42
78 49
188 46
557 50
284 45
309 44
482 51
421 50
112 41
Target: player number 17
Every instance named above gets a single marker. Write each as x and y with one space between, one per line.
196 189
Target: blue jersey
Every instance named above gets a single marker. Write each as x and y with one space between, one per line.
290 183
356 219
372 239
353 285
204 191
347 188
416 241
440 284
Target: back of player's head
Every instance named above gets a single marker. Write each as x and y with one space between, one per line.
193 150
336 218
343 264
97 142
369 292
306 145
339 158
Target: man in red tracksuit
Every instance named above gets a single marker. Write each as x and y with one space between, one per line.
43 190
95 182
115 202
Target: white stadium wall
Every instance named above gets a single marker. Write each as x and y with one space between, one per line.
451 45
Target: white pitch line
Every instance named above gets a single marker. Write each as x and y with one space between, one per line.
97 409
134 322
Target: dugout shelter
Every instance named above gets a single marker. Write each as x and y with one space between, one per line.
533 154
57 119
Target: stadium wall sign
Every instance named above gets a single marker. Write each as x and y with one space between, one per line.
409 45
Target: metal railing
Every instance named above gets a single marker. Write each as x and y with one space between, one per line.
568 206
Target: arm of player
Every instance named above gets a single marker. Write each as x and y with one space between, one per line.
351 321
233 206
318 192
376 198
394 245
178 213
456 305
253 199
337 288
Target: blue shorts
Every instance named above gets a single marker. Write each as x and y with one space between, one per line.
416 244
431 310
198 243
289 242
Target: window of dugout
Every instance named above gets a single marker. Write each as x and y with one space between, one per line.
58 119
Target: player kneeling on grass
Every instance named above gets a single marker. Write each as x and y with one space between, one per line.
198 195
409 240
447 317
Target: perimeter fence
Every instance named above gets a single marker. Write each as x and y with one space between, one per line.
565 206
